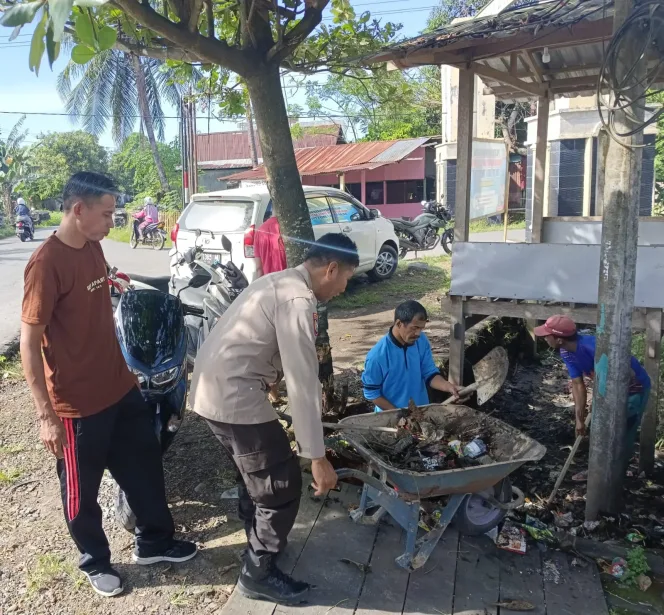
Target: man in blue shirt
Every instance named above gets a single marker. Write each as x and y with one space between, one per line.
400 366
578 353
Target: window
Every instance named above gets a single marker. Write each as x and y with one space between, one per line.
319 210
411 191
343 209
375 193
355 190
218 216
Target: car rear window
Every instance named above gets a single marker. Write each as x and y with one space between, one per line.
219 216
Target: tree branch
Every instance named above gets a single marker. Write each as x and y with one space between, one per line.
158 53
210 18
313 14
203 48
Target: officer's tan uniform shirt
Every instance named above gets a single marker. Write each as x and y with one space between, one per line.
272 326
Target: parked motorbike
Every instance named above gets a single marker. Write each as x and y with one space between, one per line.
225 283
24 228
150 328
423 233
120 218
153 235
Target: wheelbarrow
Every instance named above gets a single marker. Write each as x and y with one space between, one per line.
479 496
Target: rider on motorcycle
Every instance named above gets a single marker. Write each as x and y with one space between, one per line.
22 209
147 215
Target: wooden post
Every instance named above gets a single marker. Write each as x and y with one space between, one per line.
620 225
457 341
464 153
363 189
384 192
540 170
587 175
652 364
342 181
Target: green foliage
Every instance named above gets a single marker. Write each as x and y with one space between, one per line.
14 162
134 169
637 564
57 156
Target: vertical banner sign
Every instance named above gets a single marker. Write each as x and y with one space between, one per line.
488 178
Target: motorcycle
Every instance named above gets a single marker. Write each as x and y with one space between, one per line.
153 235
225 283
150 328
422 233
24 228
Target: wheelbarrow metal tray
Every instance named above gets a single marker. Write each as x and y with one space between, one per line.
510 449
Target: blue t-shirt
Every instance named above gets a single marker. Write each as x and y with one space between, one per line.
399 373
582 363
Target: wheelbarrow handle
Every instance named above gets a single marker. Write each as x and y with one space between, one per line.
372 481
343 427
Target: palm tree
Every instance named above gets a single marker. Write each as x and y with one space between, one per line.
14 158
120 87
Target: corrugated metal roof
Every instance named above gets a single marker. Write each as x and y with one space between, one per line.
400 149
349 157
229 146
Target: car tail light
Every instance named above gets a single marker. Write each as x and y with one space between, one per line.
174 234
249 236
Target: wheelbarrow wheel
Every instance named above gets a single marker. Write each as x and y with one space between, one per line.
476 516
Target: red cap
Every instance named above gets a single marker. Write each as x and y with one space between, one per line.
559 325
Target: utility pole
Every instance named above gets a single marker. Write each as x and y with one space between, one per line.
616 290
184 148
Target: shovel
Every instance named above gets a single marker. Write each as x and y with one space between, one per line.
490 373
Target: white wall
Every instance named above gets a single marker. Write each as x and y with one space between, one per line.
577 231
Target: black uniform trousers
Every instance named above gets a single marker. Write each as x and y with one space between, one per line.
122 439
271 481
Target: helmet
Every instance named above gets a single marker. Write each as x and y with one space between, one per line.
148 201
20 201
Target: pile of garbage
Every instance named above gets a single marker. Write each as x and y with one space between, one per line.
421 445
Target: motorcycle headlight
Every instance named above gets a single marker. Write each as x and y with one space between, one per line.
165 377
142 379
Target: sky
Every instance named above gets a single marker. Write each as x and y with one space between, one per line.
21 91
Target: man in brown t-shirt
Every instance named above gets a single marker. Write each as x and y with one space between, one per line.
92 415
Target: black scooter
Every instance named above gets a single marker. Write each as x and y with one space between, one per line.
150 327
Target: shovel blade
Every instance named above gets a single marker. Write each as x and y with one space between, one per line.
490 373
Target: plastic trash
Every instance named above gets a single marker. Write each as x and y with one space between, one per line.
474 449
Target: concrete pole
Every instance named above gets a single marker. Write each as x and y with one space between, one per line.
616 300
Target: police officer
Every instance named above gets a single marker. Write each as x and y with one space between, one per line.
271 327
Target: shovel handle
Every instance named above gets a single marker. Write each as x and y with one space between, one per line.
563 472
464 391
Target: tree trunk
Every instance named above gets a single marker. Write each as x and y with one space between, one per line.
252 136
290 206
7 201
146 116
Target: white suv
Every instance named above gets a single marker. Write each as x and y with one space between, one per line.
238 213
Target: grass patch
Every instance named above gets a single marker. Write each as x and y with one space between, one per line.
483 226
425 286
6 231
7 477
54 220
123 234
11 449
10 367
180 598
51 569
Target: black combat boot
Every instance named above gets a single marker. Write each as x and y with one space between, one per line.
260 579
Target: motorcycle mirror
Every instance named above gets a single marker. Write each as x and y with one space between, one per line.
226 244
198 280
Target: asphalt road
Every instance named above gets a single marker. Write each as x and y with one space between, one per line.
14 255
142 262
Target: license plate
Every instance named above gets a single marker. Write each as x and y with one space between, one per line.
210 257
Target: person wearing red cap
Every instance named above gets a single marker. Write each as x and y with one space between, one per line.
578 353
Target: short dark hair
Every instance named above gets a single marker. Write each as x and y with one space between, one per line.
333 247
409 311
87 185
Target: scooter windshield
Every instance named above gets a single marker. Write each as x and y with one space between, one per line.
150 325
